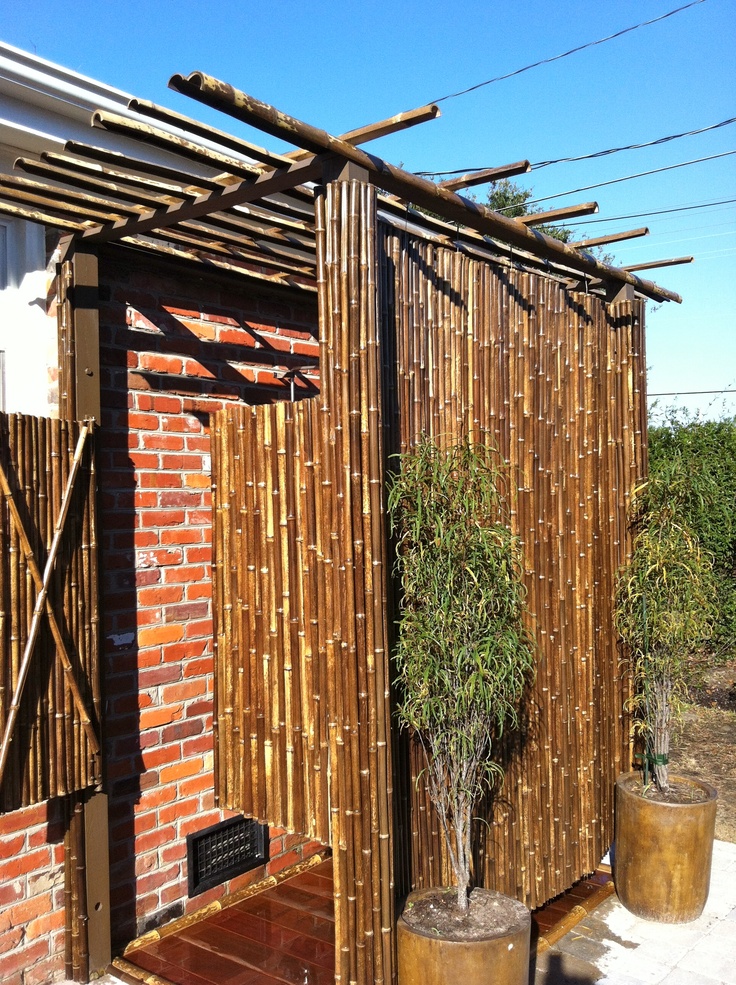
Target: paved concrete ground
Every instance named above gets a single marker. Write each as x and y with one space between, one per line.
613 947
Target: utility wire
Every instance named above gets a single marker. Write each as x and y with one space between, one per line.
599 153
628 177
647 143
688 393
572 51
643 215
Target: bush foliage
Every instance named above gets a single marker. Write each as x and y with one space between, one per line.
706 496
665 607
463 655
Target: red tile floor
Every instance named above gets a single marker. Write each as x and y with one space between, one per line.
285 935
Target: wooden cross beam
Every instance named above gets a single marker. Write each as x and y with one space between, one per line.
585 244
671 262
247 190
555 215
490 174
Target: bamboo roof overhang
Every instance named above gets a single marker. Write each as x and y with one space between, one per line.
254 212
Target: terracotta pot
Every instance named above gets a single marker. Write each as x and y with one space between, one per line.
663 852
498 960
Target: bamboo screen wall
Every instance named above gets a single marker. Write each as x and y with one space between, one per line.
301 694
54 746
420 338
556 380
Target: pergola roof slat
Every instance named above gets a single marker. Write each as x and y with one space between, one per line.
59 195
555 215
221 95
117 159
671 262
164 140
96 185
268 245
55 206
585 244
190 126
215 201
126 178
44 218
244 249
488 175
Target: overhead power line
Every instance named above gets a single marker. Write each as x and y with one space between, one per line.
688 393
628 177
646 143
572 51
598 153
644 215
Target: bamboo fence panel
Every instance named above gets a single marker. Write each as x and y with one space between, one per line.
54 746
302 711
418 338
556 381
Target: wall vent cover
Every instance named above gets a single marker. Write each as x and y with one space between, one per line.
224 850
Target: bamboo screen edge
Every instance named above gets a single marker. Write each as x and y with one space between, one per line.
302 715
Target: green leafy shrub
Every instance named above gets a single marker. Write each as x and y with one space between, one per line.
463 655
707 501
664 608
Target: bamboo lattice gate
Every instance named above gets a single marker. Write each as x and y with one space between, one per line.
421 338
50 700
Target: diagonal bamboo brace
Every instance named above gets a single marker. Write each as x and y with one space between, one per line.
42 602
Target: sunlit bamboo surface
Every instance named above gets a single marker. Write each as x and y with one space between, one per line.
555 380
420 338
50 751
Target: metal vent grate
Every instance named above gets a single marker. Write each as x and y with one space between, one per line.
224 850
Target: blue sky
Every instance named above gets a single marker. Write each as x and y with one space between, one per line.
342 64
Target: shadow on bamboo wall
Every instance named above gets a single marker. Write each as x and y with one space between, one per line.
555 380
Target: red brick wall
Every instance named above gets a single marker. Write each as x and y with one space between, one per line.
32 895
174 347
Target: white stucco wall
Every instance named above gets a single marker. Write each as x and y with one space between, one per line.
27 333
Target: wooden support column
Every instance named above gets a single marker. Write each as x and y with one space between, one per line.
97 855
79 334
356 629
87 873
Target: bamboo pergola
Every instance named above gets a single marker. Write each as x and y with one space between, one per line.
462 322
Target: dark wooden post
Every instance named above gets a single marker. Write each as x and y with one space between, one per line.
88 885
79 335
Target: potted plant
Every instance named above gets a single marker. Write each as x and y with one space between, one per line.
665 606
463 660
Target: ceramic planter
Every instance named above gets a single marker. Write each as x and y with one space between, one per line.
426 959
663 851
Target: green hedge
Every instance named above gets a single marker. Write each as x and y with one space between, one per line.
708 499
